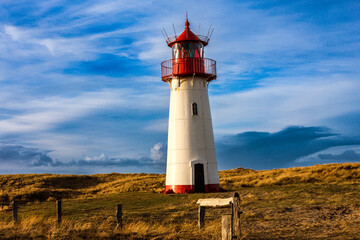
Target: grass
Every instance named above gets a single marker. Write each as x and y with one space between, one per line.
319 202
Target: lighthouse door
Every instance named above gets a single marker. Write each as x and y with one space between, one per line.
199 178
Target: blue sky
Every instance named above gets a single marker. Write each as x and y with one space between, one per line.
80 87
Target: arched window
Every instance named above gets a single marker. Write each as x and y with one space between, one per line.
194 109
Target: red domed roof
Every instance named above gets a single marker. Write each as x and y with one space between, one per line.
188 36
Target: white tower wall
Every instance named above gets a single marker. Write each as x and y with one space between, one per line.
190 137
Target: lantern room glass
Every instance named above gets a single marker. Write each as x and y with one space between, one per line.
187 50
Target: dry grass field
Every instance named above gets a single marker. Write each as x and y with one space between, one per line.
319 202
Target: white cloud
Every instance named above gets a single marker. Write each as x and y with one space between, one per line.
75 47
117 6
270 108
96 158
158 152
14 32
46 113
30 39
156 49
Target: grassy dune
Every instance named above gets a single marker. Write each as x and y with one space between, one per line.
319 202
42 187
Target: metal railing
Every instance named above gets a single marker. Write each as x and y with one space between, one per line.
188 66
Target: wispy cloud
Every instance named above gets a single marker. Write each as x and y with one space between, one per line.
272 107
45 113
348 155
41 114
339 154
117 7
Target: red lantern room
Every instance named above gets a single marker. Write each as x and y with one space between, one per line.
188 57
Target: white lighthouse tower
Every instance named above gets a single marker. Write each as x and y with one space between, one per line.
191 158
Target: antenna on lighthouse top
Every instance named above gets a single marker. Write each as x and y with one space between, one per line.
186 16
165 33
174 31
208 31
211 33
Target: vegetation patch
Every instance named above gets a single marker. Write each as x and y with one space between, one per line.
319 202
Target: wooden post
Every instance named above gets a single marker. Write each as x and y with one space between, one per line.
236 215
15 211
226 228
201 217
119 216
58 211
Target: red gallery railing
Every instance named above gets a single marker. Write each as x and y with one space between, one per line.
188 66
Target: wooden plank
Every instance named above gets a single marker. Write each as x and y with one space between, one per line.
236 216
119 216
58 211
213 202
201 219
226 227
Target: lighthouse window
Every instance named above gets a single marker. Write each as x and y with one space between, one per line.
187 50
194 109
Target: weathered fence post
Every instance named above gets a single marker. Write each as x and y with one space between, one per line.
226 228
58 211
119 216
201 215
15 211
236 215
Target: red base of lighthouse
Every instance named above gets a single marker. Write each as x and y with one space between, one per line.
191 188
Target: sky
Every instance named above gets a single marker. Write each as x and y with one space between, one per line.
81 93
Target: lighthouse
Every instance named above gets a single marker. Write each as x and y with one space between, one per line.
191 158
